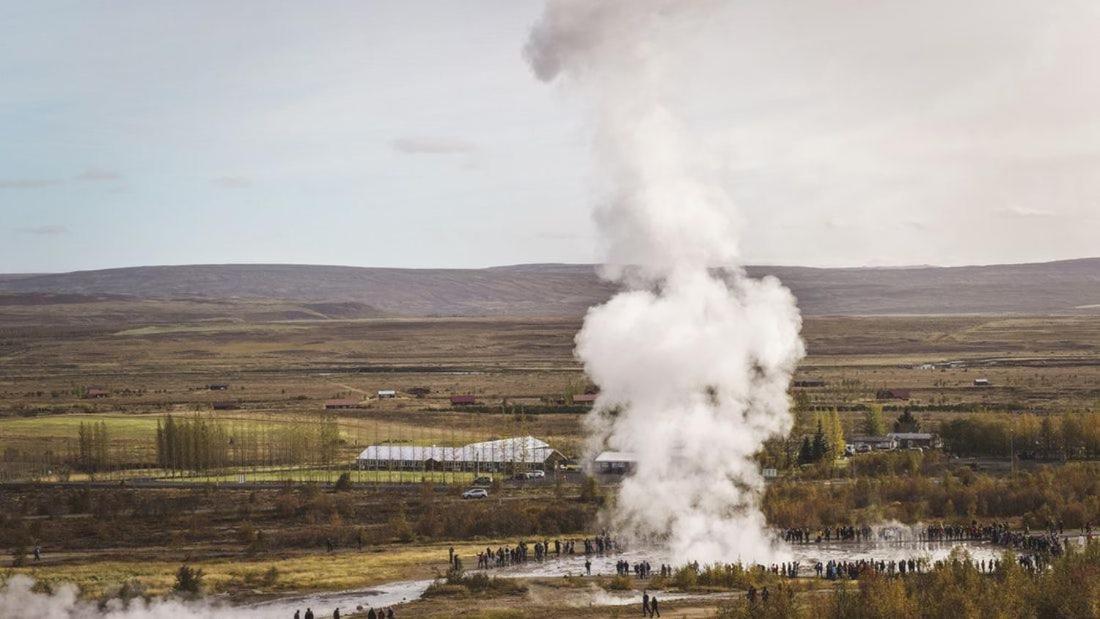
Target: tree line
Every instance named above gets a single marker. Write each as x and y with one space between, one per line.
201 444
1069 436
93 453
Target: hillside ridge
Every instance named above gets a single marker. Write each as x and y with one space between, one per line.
1065 286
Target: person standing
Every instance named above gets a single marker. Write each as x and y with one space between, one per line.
645 603
309 613
588 566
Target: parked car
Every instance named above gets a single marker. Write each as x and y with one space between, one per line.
536 474
483 481
476 493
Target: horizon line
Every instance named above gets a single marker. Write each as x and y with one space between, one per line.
900 267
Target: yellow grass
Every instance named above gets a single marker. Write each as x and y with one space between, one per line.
314 572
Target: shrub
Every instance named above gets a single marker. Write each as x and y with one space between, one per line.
400 529
619 583
188 581
343 483
459 584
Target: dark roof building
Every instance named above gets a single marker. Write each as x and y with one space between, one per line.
892 394
907 440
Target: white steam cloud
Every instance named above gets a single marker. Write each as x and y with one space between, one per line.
18 599
695 355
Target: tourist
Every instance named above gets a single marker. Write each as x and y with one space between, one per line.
645 603
309 614
653 610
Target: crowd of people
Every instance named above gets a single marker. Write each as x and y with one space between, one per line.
852 570
522 551
828 534
381 613
1034 550
641 569
997 533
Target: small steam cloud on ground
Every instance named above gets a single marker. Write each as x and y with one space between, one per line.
696 356
19 599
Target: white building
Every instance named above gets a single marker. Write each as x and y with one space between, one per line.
615 463
500 455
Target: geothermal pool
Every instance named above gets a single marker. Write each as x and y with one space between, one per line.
395 593
805 554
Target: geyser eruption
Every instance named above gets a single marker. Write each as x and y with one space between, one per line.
693 357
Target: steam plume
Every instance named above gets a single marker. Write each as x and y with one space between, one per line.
696 356
19 599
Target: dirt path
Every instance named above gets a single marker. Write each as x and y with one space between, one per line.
348 387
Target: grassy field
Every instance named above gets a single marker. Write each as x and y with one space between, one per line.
315 475
298 572
280 373
156 359
46 446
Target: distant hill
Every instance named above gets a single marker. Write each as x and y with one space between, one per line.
1071 286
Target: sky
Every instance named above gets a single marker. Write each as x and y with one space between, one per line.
414 134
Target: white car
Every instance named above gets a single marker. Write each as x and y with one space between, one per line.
476 493
536 474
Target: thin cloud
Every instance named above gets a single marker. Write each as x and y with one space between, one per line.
231 182
46 230
28 183
563 236
432 146
98 175
1025 211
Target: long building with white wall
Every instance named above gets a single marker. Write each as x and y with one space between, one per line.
526 452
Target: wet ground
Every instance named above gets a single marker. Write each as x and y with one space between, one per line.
322 604
396 593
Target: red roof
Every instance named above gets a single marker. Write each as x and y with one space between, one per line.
463 399
585 398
